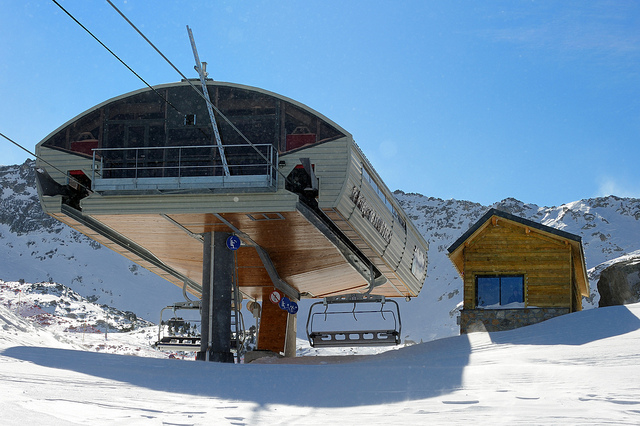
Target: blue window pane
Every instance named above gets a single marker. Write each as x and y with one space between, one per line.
488 291
511 290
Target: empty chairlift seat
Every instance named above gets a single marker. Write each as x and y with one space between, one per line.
354 320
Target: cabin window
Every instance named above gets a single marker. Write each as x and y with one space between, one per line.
366 176
419 263
495 291
190 120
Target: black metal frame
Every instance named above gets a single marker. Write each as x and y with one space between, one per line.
348 338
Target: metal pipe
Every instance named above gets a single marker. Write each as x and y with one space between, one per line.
211 272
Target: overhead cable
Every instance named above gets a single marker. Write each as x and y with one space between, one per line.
114 55
189 82
44 161
173 66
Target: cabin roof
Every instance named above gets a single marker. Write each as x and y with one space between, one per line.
455 250
512 218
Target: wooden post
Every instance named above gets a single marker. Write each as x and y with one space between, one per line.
273 325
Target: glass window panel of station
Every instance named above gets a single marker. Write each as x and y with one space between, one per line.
254 114
511 289
367 177
59 140
80 136
87 128
135 136
487 291
157 136
190 136
258 130
300 127
327 132
115 136
143 106
241 102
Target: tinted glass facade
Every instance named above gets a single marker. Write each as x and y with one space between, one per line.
131 129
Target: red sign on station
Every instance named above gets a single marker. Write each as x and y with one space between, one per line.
275 297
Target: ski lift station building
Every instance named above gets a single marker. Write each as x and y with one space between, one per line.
142 174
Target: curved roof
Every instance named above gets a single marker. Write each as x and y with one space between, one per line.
196 83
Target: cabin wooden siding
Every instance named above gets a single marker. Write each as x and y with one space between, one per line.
505 248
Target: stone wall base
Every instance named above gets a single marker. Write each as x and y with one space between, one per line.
472 320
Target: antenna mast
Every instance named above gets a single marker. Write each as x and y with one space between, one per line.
203 75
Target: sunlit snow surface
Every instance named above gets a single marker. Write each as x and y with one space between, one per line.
582 368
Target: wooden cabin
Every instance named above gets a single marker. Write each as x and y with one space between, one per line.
143 174
517 272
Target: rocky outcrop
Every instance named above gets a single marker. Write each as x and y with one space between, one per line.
619 284
19 205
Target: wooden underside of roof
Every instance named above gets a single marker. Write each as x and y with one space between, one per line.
303 257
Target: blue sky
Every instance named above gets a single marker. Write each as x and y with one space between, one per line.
473 100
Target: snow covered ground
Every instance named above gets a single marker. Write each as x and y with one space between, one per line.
583 368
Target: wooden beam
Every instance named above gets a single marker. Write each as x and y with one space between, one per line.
273 325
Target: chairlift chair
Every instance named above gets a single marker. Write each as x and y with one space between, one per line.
170 337
380 318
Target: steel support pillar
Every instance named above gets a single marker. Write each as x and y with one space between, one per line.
217 280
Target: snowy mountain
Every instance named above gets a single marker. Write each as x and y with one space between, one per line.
609 228
53 315
35 248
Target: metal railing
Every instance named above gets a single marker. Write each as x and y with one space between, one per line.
174 167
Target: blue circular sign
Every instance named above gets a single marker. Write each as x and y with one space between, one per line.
233 242
293 308
287 305
284 303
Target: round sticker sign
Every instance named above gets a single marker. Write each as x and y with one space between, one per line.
233 242
293 308
284 303
275 297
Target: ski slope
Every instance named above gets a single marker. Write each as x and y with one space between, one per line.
582 368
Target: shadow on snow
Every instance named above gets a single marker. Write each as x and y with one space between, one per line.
416 372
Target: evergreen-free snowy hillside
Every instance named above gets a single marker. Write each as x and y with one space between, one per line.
609 228
34 248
